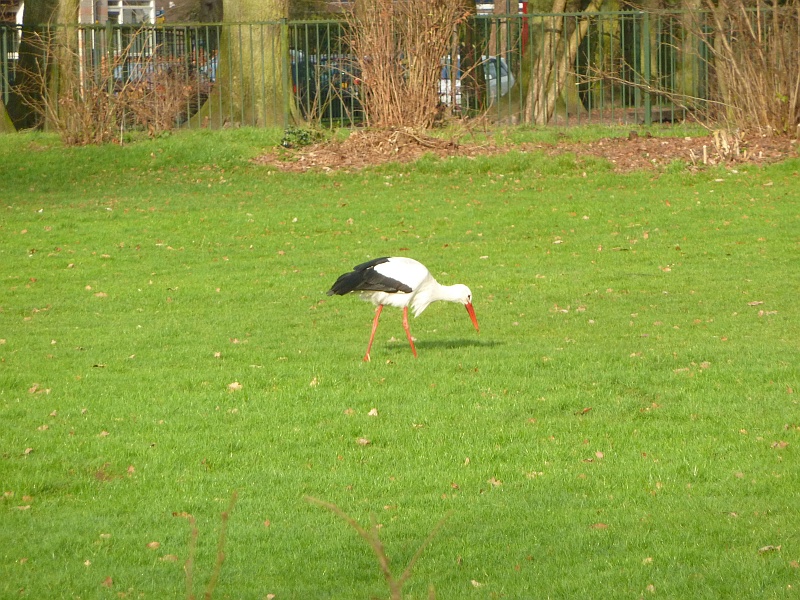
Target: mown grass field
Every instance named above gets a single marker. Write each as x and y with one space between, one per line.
625 424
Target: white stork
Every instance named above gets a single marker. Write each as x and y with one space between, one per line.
399 282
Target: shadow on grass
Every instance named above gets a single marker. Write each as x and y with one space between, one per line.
397 345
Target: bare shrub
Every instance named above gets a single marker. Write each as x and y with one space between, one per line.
756 66
399 46
165 97
91 97
73 97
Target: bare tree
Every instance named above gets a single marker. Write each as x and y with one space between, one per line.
553 65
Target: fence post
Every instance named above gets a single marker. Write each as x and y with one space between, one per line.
648 109
4 63
285 71
109 54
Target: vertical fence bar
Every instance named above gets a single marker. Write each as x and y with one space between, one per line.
622 91
286 71
4 81
637 63
240 74
702 67
648 112
303 75
606 62
587 104
251 46
213 66
262 46
557 64
678 60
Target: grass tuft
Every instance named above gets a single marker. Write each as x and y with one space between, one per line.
189 566
371 536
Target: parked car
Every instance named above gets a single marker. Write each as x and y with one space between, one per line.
328 89
499 79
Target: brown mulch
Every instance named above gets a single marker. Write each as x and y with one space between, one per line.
364 148
645 152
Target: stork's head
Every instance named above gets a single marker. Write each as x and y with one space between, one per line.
464 295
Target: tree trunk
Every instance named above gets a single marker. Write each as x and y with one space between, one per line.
64 54
38 13
6 126
498 36
543 66
253 85
555 64
566 65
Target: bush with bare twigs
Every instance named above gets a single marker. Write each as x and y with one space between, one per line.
756 63
165 97
737 67
87 100
74 98
399 47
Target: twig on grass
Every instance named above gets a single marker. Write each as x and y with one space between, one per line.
189 565
372 538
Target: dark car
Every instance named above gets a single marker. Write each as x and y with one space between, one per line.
329 89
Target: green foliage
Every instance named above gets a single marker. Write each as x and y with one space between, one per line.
626 421
299 136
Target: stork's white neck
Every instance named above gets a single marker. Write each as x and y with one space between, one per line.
435 291
450 293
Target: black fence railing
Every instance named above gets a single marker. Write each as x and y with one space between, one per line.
572 68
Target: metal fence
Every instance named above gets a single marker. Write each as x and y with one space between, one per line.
628 67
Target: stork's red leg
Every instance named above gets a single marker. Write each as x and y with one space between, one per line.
408 333
374 329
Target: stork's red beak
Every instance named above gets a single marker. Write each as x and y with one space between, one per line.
472 316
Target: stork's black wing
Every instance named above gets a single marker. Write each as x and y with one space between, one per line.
365 278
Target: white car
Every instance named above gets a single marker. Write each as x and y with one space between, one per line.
495 69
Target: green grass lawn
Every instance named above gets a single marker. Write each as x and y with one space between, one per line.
625 424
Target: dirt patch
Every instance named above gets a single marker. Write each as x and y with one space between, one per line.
645 152
363 148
